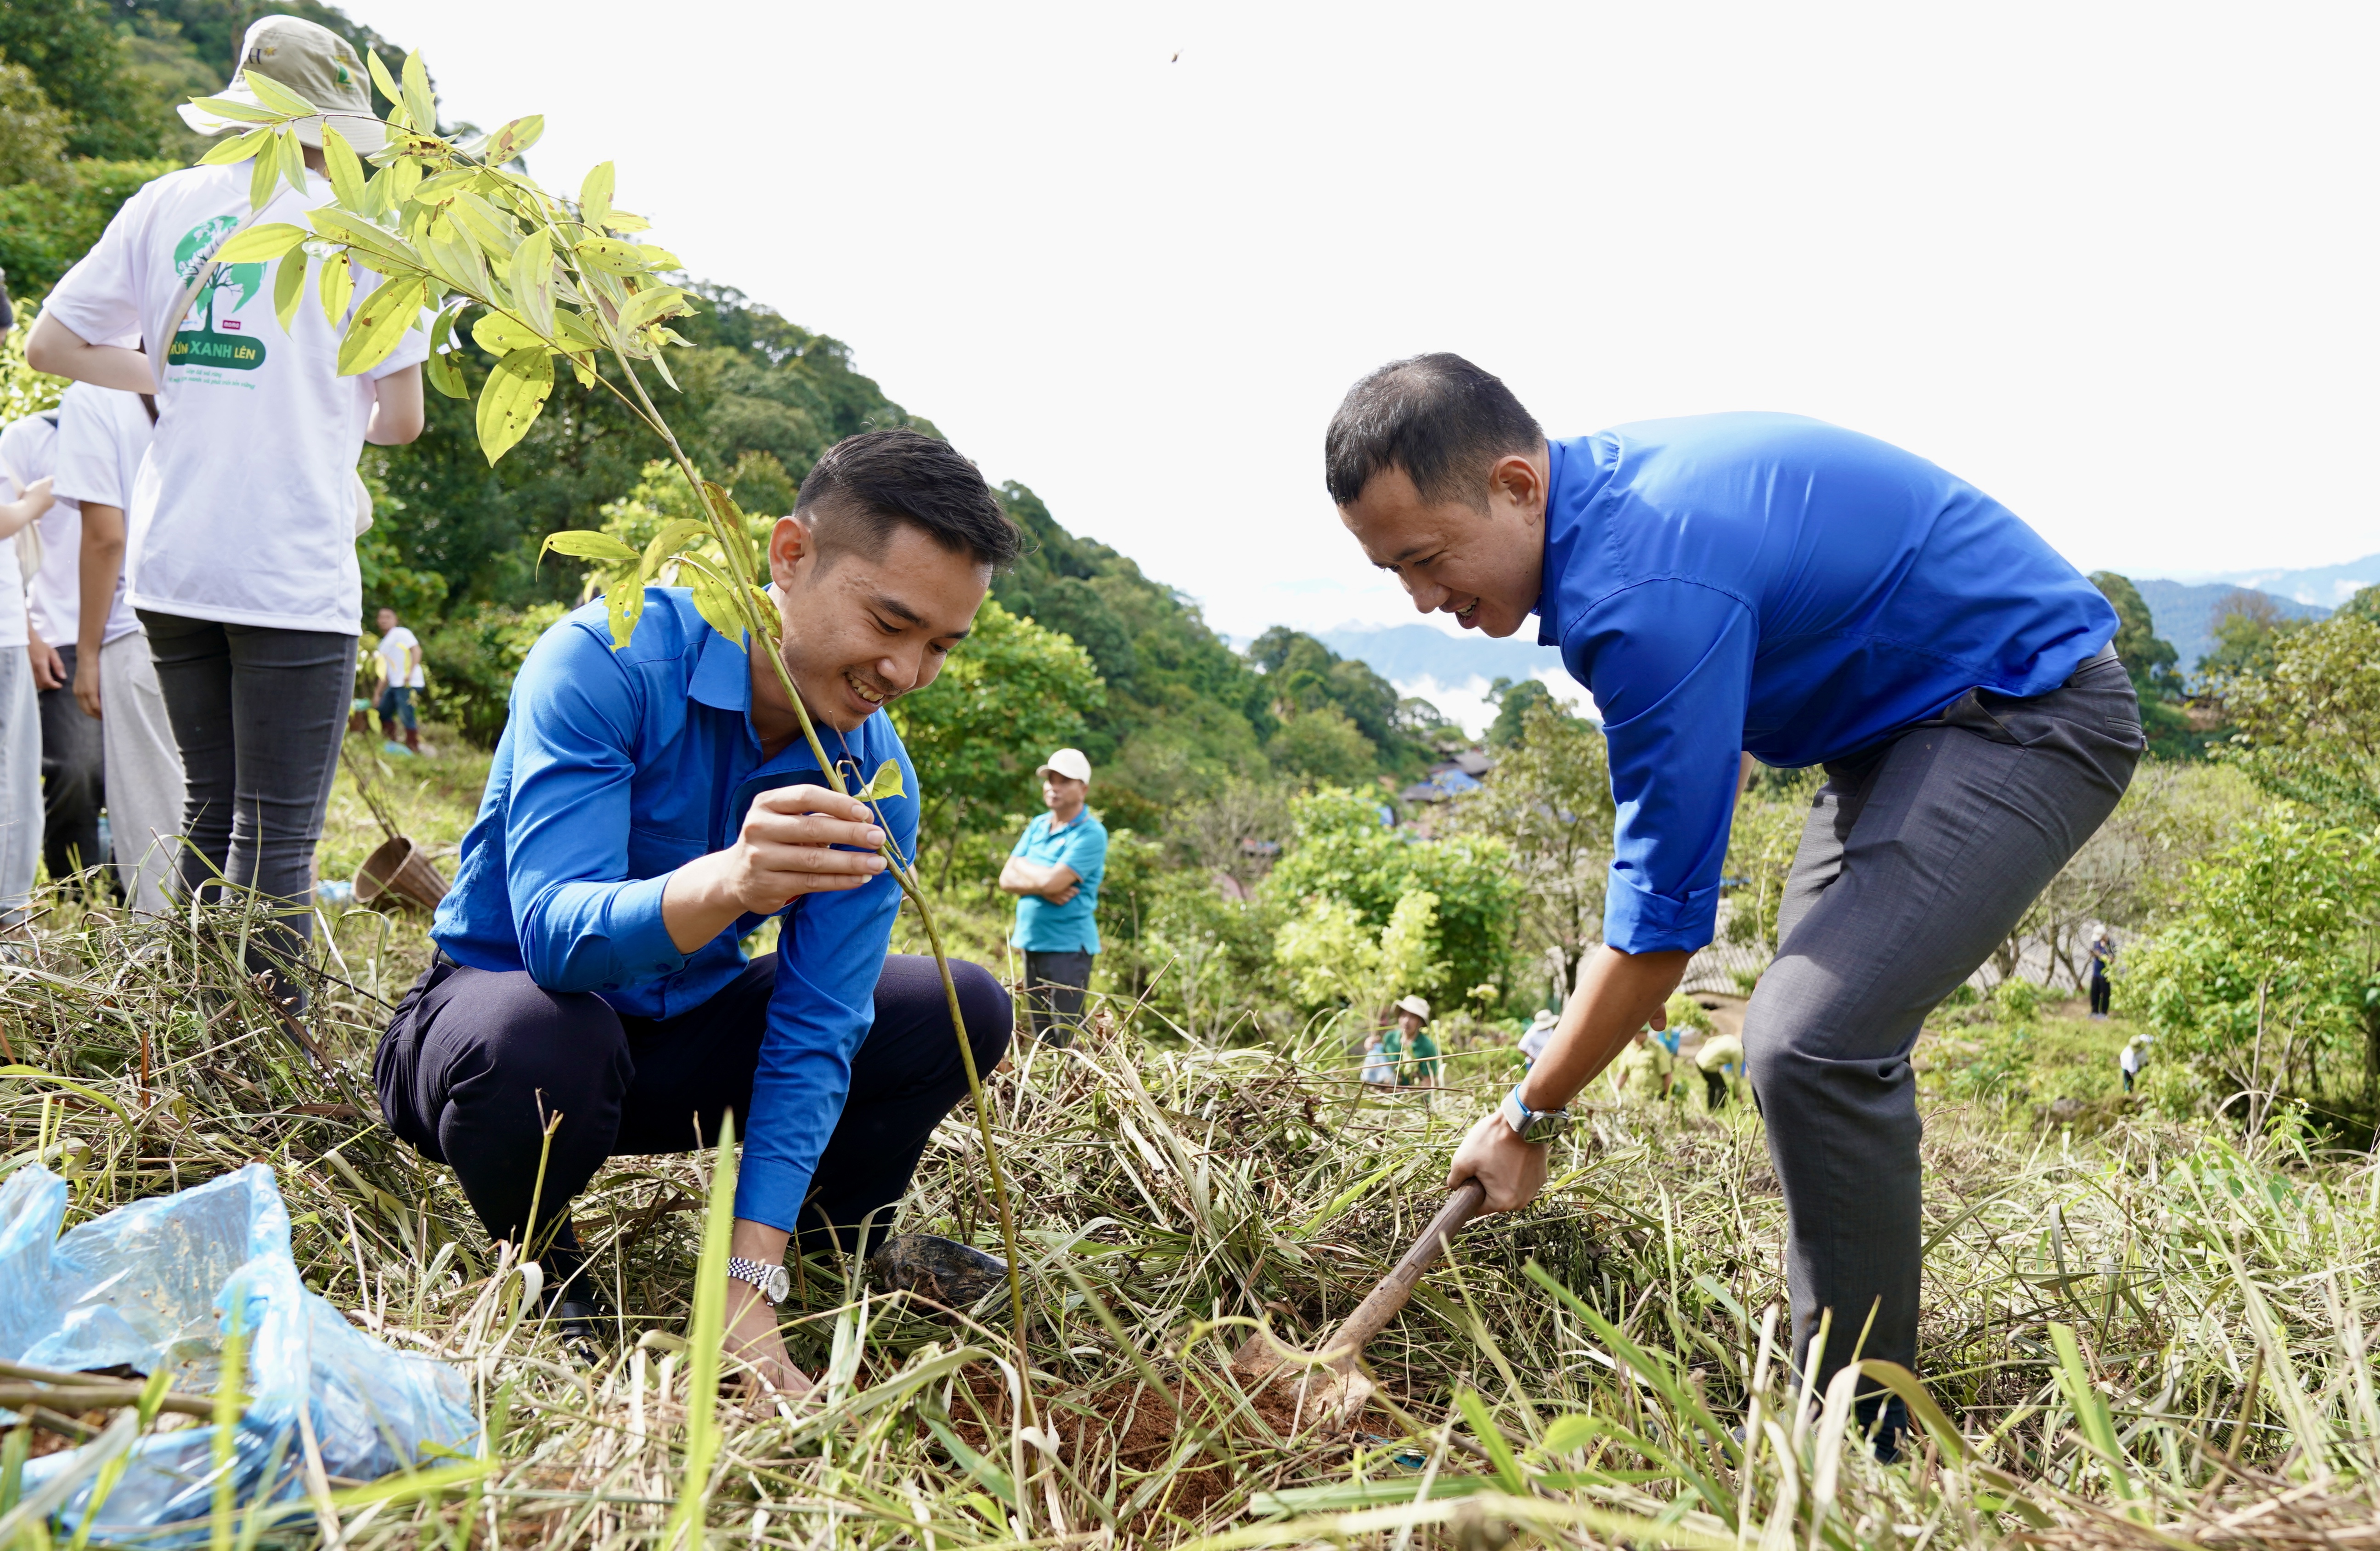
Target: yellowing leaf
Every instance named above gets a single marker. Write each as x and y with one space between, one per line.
233 108
499 335
444 187
885 782
515 139
378 246
335 287
292 155
611 256
455 258
620 221
264 173
443 374
379 323
490 227
237 149
660 259
510 401
571 329
769 619
289 287
624 601
583 543
717 605
1572 1430
382 79
420 105
595 196
673 537
650 303
262 244
277 97
531 272
345 169
404 178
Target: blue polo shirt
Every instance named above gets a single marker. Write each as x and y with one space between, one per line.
1073 927
1775 584
617 769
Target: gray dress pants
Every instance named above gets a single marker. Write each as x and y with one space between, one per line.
1920 857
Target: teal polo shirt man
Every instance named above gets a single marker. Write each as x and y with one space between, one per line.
1055 871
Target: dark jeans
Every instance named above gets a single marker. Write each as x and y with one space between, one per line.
259 714
1055 985
73 779
1713 1089
475 1061
397 706
2102 994
1918 858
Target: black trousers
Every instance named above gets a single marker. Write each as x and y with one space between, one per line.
259 714
1055 985
475 1061
2102 994
73 778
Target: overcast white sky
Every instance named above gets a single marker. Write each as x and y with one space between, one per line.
2113 263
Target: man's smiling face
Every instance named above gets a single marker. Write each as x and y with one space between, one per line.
862 630
1483 565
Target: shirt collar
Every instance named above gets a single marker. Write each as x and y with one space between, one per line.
723 673
1574 477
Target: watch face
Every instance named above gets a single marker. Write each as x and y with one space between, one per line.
780 1284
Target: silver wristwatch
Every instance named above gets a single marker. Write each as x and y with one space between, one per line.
774 1282
1532 1124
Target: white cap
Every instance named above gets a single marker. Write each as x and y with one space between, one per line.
1415 1005
1069 763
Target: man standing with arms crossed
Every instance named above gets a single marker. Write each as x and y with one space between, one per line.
1768 584
1055 871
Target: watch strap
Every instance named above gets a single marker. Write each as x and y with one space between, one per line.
768 1280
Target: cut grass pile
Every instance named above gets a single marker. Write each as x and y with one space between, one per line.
2146 1336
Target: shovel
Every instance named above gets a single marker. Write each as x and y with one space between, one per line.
1331 1383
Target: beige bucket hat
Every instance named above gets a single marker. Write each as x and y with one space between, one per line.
1415 1005
315 63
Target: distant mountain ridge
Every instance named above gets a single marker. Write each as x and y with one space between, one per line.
2185 613
2325 587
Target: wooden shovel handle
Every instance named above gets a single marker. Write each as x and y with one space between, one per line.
1382 1304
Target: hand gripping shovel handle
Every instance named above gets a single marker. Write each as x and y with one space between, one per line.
1396 1288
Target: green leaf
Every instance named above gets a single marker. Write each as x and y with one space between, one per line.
490 227
769 620
660 259
233 108
277 97
292 154
595 197
706 1335
515 139
1491 1438
510 401
441 368
382 79
611 255
335 287
381 249
455 258
885 782
620 221
379 323
531 272
405 179
420 105
264 173
262 244
649 304
1574 1430
668 541
499 335
624 601
583 543
346 170
746 564
444 187
224 152
717 605
571 329
289 289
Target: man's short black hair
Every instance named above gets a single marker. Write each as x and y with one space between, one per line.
865 485
1439 418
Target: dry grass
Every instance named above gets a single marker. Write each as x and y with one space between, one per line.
1570 1378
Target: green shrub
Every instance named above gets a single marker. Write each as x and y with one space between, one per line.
470 661
45 227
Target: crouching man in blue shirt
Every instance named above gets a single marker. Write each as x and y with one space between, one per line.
1773 585
647 810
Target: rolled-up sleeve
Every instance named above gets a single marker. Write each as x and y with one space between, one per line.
583 923
830 955
1670 664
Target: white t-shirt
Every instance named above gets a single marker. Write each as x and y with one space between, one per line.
396 656
253 465
28 453
103 436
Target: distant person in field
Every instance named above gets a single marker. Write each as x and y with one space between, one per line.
243 566
1411 1049
399 659
1645 1067
49 557
2127 1060
1720 1060
1541 1028
648 809
1771 585
1054 871
103 437
2103 954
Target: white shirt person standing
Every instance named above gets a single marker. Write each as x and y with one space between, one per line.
103 436
244 569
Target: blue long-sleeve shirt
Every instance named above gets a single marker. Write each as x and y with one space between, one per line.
615 770
1776 585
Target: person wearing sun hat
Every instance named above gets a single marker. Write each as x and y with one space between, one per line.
241 561
1410 1049
1054 871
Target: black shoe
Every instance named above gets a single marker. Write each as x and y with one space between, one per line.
575 1312
944 1270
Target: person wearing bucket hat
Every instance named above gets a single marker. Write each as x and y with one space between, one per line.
1054 871
241 565
1409 1046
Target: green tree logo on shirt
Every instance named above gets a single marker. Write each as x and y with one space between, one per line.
211 332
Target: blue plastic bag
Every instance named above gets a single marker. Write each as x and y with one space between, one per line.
157 1284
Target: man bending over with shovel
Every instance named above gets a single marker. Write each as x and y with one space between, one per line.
1773 585
648 809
